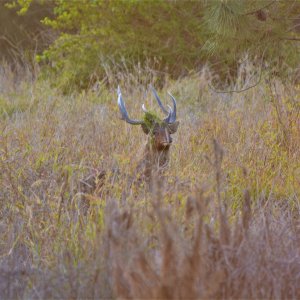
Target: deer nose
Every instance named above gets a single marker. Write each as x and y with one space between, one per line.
168 137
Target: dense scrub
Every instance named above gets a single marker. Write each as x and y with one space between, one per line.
94 37
223 224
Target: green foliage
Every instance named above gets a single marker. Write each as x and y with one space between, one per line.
150 119
24 4
97 37
22 35
264 29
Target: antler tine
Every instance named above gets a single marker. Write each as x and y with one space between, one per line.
144 108
124 112
158 100
174 110
168 118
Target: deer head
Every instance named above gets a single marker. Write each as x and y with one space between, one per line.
158 130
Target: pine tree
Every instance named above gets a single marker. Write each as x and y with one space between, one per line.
265 30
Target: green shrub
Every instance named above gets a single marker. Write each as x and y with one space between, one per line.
96 37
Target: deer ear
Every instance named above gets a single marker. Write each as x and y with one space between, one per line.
145 128
173 127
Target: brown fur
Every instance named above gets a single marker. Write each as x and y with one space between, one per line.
156 153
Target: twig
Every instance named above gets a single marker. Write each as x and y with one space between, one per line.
254 11
294 27
291 39
238 91
247 88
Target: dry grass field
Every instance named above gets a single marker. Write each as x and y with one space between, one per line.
223 223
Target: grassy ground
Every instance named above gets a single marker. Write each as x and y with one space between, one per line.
223 224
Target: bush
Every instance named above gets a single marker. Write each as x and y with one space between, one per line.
169 37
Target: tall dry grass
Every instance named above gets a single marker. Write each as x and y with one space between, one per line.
223 224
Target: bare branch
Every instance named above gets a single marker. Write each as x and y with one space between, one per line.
238 91
294 27
247 88
255 11
11 44
291 39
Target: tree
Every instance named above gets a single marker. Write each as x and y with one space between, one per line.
171 37
265 30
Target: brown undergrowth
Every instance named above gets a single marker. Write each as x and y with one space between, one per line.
224 222
255 256
207 254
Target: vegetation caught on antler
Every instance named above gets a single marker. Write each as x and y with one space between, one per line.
150 119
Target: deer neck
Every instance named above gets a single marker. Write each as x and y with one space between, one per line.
154 160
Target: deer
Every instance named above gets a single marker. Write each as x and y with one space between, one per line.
157 148
158 131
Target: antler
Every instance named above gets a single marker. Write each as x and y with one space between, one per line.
124 112
171 118
158 100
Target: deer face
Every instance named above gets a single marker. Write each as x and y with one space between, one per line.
159 131
162 138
